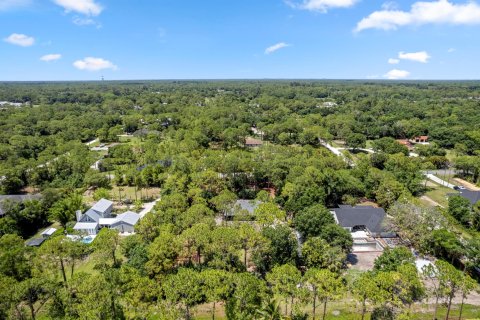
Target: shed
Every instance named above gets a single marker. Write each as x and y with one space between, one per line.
35 242
48 232
252 142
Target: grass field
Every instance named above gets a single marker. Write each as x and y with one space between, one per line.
350 311
438 193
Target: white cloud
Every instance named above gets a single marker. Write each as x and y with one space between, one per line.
12 4
393 61
51 57
20 40
396 74
79 21
86 7
421 56
83 21
390 5
432 12
321 5
451 50
94 64
276 47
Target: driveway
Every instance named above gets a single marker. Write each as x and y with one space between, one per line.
147 207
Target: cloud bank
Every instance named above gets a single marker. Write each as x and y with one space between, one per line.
19 39
396 74
276 47
86 7
421 13
321 5
94 64
421 56
51 57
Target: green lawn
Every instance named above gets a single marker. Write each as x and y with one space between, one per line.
55 225
349 311
129 192
439 193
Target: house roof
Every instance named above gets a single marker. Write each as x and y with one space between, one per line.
35 242
404 142
85 225
253 141
48 232
92 214
128 217
368 216
102 205
472 196
248 205
107 221
17 198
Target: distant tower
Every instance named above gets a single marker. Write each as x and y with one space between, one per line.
103 78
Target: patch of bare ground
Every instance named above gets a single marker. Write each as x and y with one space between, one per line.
467 184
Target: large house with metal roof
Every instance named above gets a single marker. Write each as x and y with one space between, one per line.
125 222
99 216
89 222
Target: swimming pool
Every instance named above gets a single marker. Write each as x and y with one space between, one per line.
88 239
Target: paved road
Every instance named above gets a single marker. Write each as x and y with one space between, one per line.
466 184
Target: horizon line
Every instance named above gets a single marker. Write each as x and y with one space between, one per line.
242 79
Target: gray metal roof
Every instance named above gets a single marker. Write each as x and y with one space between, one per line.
128 217
85 225
472 196
48 232
248 205
35 242
92 214
17 198
370 217
102 205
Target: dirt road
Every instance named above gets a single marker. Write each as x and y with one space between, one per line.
466 184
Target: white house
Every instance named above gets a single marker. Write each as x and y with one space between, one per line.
99 216
89 221
126 222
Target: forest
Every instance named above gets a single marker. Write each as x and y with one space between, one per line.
194 150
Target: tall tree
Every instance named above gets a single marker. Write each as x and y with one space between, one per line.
365 290
284 281
324 286
105 247
184 289
216 286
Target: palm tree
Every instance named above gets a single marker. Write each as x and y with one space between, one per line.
270 310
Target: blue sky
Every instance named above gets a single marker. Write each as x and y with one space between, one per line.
219 39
